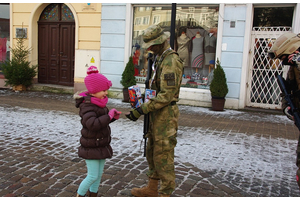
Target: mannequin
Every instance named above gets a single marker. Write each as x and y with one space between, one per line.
210 41
197 52
183 35
183 48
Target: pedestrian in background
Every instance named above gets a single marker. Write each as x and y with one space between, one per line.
95 133
286 48
163 112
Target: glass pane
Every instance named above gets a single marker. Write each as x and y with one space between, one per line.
66 14
50 13
195 40
4 33
273 16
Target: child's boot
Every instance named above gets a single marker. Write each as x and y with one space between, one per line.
92 194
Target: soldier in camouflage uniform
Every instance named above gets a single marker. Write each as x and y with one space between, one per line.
286 48
163 111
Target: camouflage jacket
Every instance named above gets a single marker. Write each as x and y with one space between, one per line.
167 80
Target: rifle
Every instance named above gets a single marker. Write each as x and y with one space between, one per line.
289 98
146 117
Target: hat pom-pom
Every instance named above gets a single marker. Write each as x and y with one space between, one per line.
92 69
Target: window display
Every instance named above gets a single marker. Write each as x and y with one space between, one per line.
195 40
4 32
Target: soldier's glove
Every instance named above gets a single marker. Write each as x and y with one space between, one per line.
134 114
287 111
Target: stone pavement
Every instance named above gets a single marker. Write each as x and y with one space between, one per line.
27 169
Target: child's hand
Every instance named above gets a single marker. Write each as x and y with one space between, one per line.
113 113
117 114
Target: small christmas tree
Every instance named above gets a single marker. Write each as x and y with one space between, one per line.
128 78
18 70
218 86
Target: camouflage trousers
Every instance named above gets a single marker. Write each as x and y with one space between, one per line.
160 147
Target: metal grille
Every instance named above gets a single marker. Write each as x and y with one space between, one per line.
264 91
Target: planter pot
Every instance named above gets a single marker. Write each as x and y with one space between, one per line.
125 95
19 88
217 103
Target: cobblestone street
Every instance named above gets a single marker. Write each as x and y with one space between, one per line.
245 154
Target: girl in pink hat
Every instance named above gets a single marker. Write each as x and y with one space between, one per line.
95 133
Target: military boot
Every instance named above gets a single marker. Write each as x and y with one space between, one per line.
148 191
164 195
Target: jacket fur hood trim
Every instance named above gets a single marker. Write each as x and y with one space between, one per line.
77 94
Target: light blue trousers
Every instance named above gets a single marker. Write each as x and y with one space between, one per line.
93 178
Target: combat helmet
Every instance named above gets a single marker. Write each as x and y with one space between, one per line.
287 43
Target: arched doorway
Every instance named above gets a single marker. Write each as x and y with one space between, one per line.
56 50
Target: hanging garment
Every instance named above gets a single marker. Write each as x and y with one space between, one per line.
210 42
183 50
197 52
191 32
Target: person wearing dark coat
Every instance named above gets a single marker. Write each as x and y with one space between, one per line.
95 133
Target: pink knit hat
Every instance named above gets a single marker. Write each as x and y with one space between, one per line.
96 82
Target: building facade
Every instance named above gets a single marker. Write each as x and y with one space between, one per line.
65 38
243 35
106 35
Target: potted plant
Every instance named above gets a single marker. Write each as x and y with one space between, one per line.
128 79
18 71
218 88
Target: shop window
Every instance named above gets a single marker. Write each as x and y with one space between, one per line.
4 33
195 40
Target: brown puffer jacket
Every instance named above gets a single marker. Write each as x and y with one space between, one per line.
95 133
